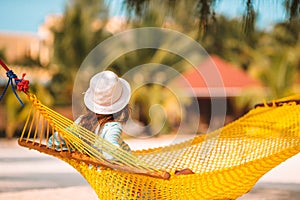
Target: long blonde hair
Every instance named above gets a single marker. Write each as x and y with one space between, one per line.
91 120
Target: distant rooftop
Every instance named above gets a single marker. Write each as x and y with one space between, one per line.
217 77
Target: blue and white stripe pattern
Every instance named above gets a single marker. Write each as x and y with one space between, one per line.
111 132
58 143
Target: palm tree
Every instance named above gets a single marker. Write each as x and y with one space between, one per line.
275 61
281 59
152 93
81 29
204 10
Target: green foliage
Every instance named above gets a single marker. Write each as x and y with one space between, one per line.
16 114
249 18
226 39
2 54
279 60
27 61
293 9
81 29
272 57
157 108
204 10
275 61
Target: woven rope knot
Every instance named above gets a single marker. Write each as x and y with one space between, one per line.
10 74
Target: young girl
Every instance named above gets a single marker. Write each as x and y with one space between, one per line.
106 101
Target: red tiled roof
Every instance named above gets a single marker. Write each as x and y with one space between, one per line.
216 77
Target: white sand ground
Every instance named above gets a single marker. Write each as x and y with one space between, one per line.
27 174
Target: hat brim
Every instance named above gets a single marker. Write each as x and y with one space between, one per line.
110 109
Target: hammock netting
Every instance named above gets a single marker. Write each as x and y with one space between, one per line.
227 162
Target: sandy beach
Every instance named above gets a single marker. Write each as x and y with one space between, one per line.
27 174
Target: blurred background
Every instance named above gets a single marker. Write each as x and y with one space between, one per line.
255 41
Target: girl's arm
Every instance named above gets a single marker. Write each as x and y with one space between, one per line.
112 134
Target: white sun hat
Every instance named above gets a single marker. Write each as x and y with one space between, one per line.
107 93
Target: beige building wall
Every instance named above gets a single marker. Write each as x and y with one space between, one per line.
18 46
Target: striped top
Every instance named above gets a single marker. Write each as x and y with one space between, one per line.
111 132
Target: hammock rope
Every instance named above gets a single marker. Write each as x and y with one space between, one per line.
226 163
78 138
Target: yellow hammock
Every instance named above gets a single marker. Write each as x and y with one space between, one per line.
227 162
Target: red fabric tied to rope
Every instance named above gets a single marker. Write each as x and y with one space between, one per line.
22 84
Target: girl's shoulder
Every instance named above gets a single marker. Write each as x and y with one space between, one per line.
112 124
112 127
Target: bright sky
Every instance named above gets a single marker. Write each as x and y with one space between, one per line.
269 12
27 15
